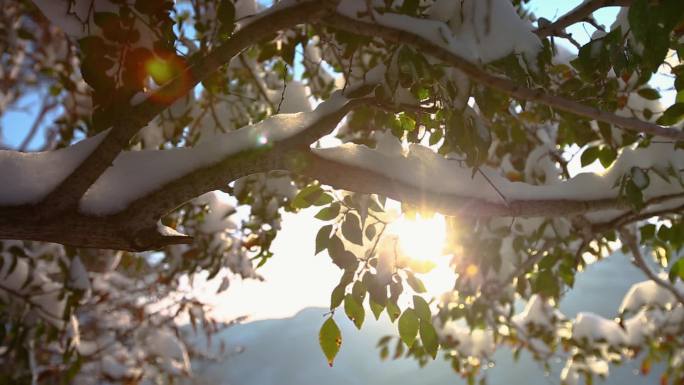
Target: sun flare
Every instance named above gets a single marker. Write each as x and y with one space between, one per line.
422 239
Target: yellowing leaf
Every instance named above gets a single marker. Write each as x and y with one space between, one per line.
330 339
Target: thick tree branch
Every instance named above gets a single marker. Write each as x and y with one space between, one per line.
129 122
135 228
580 13
504 85
356 179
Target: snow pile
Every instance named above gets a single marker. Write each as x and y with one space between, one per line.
295 98
475 343
646 293
169 350
29 177
595 328
217 217
538 312
422 168
137 173
573 370
468 28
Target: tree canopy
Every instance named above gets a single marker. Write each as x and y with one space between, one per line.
163 120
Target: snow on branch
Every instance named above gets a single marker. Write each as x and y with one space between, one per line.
133 118
136 174
446 185
431 36
121 210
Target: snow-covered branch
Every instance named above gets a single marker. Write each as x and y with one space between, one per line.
428 36
132 118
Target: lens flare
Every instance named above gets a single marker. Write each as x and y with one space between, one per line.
169 72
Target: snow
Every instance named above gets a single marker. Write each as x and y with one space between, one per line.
29 177
19 281
468 28
645 293
539 312
114 369
295 99
423 168
78 276
169 350
475 343
218 216
137 173
597 329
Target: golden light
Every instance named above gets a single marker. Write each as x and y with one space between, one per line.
420 238
422 241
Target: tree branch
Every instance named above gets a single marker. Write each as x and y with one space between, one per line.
129 122
361 180
631 242
504 85
578 14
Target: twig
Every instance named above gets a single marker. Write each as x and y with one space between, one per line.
631 242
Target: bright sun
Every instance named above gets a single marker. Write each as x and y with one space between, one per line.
420 238
423 239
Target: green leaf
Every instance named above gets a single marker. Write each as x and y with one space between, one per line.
634 195
226 15
649 93
354 310
330 340
428 336
677 271
415 283
329 213
359 291
393 310
408 327
323 200
606 156
307 196
422 308
323 238
351 228
589 156
344 259
648 231
337 295
376 309
410 7
546 284
370 232
672 115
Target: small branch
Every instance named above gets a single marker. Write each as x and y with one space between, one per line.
36 124
631 242
580 13
257 82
